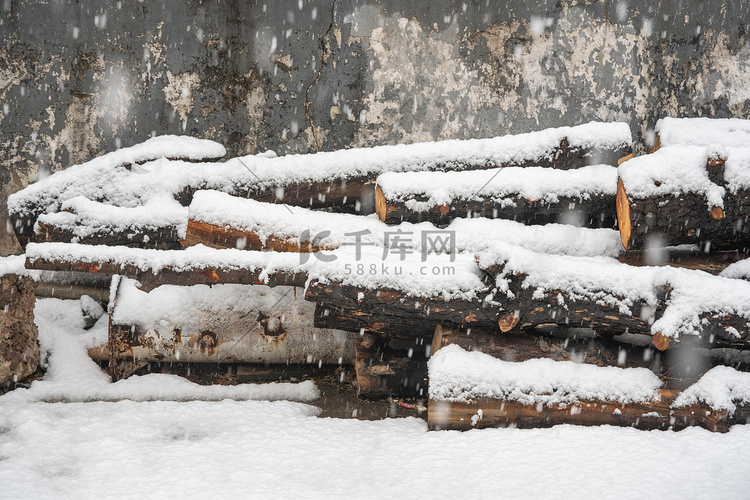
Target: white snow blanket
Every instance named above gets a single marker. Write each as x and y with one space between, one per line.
104 179
703 131
458 375
676 170
504 185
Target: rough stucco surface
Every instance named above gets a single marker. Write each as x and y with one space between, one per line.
81 78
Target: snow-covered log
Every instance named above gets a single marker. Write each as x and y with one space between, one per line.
116 178
474 390
565 346
673 305
159 224
685 195
220 324
342 179
222 221
532 195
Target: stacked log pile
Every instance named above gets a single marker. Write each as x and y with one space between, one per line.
503 246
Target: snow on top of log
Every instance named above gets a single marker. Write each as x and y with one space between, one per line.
737 270
533 183
458 375
606 281
14 264
103 179
450 155
334 229
703 131
671 171
721 388
106 178
85 217
186 305
737 168
675 170
448 276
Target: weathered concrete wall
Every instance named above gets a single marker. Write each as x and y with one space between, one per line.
78 78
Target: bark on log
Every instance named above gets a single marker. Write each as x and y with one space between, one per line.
390 311
19 347
717 331
150 280
711 262
388 365
529 344
685 219
165 238
216 236
598 211
652 415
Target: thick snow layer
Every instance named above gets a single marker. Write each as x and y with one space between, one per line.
671 171
439 275
531 183
739 270
332 230
280 449
703 131
462 376
610 282
85 217
15 264
104 179
721 388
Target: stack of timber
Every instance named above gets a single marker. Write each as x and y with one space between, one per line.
533 382
508 271
168 170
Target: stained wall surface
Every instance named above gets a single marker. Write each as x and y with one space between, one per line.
80 78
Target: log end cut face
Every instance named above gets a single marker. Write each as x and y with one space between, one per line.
623 214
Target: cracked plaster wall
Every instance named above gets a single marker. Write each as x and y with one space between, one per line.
79 78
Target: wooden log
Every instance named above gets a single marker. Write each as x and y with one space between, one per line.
710 262
653 415
221 324
390 311
500 194
655 209
683 220
550 305
151 279
388 365
530 344
19 347
160 238
216 236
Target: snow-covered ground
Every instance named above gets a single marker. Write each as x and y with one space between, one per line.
196 444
